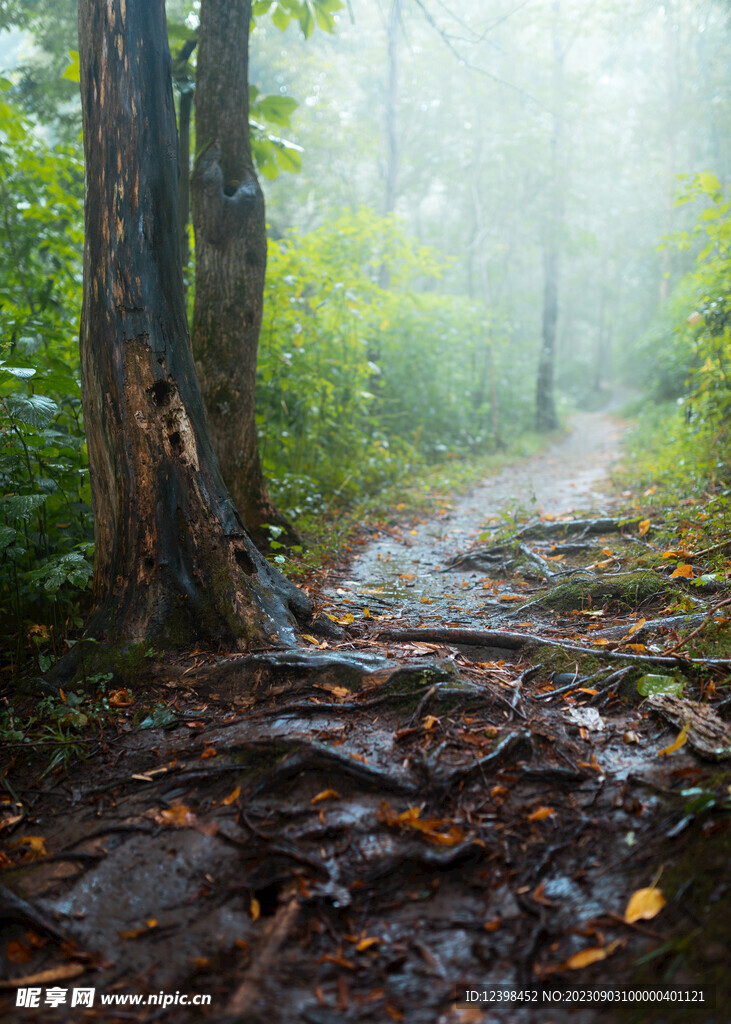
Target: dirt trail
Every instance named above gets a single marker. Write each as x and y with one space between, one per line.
343 834
402 566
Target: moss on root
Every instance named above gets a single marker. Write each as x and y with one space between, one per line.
625 591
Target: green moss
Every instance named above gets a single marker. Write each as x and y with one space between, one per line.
624 591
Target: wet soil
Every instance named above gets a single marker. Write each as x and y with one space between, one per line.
350 831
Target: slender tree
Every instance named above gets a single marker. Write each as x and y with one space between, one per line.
230 258
172 562
546 418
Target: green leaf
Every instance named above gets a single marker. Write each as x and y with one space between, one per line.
280 18
709 182
652 684
73 72
33 410
20 506
7 536
276 109
21 372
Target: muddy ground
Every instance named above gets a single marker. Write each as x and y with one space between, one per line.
349 831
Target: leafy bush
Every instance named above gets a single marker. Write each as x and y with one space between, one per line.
358 384
45 515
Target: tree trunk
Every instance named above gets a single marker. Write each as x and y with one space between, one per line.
546 418
173 563
230 258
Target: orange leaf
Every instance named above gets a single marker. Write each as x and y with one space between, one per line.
367 943
540 813
586 957
178 815
429 722
326 794
254 908
328 958
644 526
120 698
684 570
18 953
492 926
232 797
208 752
635 626
644 904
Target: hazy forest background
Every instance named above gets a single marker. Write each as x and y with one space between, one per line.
447 187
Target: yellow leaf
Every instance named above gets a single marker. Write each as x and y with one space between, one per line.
684 570
679 742
35 846
429 722
232 797
342 620
586 957
555 558
600 643
607 552
638 625
639 648
367 943
540 813
254 908
311 639
670 553
644 904
326 794
366 613
644 526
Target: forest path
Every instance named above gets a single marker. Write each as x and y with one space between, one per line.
400 570
343 835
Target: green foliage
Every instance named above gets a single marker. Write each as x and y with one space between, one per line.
358 384
45 518
307 13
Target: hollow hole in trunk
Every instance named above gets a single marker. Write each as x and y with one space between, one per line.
160 392
243 558
176 442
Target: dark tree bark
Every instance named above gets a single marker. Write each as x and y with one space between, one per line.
173 562
230 258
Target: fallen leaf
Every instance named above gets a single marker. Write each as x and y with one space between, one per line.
540 813
429 722
430 828
326 794
644 904
586 957
120 698
232 797
367 943
644 526
493 925
18 953
208 752
254 908
178 816
636 626
342 620
35 846
638 648
311 639
679 742
683 570
329 958
366 613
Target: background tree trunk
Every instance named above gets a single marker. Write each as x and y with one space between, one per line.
546 418
230 258
173 562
